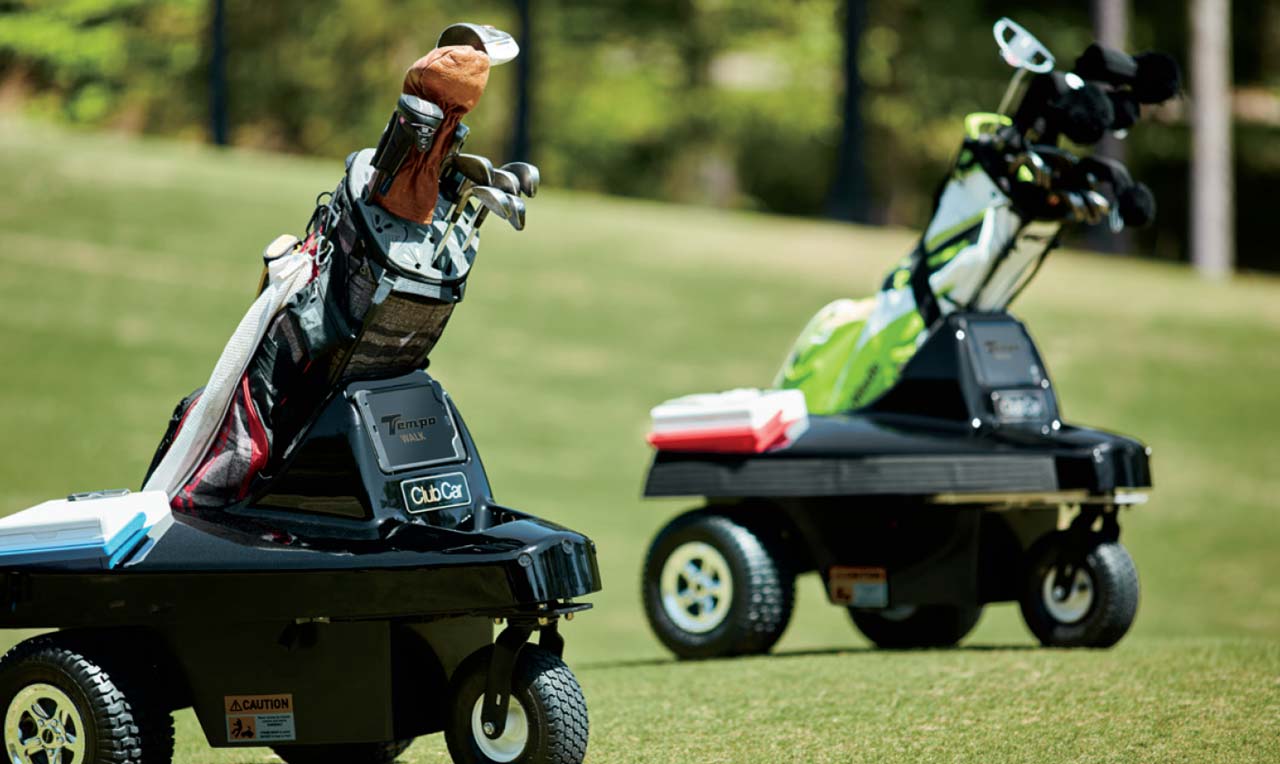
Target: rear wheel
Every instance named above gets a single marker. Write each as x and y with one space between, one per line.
712 588
62 706
908 626
546 713
1079 595
344 753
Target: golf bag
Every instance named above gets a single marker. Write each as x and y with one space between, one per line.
996 217
365 293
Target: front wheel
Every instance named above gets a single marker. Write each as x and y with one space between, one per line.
714 588
62 706
1082 597
546 713
908 626
344 753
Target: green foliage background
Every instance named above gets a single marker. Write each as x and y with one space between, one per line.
722 102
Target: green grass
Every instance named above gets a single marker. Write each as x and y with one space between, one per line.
124 266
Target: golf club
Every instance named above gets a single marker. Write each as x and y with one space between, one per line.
491 199
528 176
506 181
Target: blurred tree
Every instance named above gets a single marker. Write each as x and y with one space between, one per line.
520 145
733 102
1212 224
1111 27
848 199
218 73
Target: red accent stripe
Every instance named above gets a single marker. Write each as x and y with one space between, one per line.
724 440
257 438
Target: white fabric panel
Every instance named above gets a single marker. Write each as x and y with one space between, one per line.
286 275
961 278
1027 249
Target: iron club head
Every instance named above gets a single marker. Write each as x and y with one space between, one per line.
492 199
506 181
517 213
527 174
474 168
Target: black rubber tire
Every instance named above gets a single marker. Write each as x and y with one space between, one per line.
763 588
927 626
121 726
343 753
549 694
1115 594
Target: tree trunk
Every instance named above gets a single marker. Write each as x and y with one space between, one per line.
1111 28
521 148
1212 185
218 74
848 198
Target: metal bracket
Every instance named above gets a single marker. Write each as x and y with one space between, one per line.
497 689
550 639
1077 539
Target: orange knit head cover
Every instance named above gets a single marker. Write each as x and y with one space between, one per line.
453 78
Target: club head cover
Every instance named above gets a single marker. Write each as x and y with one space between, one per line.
1137 206
1158 78
453 78
1125 105
1104 64
1083 114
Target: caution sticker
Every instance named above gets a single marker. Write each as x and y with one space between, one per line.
859 587
259 718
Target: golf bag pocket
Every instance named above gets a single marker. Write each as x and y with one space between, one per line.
239 450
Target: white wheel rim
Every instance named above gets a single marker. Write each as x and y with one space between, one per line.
514 738
696 587
41 721
1070 606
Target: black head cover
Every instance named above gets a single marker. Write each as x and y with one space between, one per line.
1159 78
1137 205
1154 77
1060 104
1125 105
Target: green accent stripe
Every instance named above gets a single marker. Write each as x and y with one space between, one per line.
955 230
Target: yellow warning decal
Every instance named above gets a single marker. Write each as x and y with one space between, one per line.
259 704
259 718
858 586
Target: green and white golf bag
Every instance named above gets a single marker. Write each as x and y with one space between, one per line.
977 253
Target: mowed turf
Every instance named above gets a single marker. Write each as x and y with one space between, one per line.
125 264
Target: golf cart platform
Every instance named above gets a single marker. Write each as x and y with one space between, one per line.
959 487
349 608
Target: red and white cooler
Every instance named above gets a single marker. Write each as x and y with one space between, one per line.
738 421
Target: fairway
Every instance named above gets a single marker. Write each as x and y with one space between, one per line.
125 264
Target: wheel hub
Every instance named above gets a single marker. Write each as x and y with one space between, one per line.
696 587
43 726
1068 598
515 736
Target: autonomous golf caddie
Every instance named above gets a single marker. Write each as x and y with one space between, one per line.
317 561
928 470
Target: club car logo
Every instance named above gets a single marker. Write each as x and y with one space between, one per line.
1001 350
408 430
436 492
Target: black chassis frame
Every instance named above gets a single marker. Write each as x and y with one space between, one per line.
326 588
934 482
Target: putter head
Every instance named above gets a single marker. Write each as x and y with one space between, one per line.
475 168
506 181
528 176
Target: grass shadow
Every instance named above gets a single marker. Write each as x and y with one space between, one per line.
804 653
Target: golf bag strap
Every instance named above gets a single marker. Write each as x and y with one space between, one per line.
921 290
